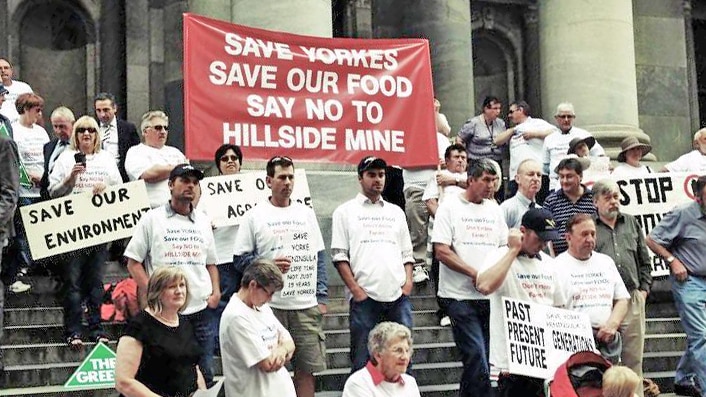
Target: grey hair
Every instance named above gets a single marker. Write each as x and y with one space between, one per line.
565 107
64 113
603 187
477 167
383 334
152 114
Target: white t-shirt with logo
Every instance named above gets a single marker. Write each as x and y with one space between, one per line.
592 285
472 230
522 149
291 231
165 238
100 168
142 157
30 146
433 190
529 280
16 89
248 336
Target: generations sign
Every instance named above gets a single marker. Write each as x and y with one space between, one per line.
83 220
227 198
317 99
651 196
540 338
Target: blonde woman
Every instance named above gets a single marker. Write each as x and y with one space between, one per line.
158 354
619 381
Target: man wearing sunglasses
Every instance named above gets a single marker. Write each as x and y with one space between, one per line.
152 160
117 135
556 145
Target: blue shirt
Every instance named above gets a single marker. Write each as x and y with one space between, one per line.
514 209
562 209
683 231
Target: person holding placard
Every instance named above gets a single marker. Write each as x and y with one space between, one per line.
372 251
594 285
176 234
83 168
152 160
631 152
520 271
287 232
466 228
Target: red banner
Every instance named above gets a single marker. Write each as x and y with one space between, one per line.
310 98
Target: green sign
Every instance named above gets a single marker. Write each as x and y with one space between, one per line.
97 371
24 177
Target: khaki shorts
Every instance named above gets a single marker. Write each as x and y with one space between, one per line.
309 340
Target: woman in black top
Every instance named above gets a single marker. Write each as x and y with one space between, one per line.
158 354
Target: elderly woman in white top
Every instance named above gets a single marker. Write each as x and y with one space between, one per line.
390 347
80 169
632 151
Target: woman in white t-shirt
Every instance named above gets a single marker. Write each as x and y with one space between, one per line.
84 168
632 151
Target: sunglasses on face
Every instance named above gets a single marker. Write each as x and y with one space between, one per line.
160 128
228 158
566 116
81 130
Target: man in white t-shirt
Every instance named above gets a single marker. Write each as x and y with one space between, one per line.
175 234
466 228
372 251
288 233
15 88
520 271
695 160
254 344
153 160
594 285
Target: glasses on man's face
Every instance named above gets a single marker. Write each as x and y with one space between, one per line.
511 111
565 116
160 128
90 130
228 158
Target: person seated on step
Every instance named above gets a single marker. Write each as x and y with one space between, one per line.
158 353
390 348
81 168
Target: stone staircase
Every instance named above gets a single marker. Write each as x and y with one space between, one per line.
38 362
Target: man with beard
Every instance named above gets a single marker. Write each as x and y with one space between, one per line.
679 239
372 251
620 237
529 181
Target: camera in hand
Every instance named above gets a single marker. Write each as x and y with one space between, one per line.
80 158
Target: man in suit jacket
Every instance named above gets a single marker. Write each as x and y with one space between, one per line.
62 121
117 135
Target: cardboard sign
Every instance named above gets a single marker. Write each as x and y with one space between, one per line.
651 196
97 371
316 99
540 338
83 220
227 198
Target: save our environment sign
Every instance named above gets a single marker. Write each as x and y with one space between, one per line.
97 371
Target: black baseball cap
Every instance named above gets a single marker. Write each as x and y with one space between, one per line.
185 169
369 162
541 222
3 90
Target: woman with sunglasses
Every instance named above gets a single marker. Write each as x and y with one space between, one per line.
84 168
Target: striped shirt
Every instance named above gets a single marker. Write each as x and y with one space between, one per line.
562 209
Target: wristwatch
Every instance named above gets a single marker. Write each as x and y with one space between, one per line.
669 259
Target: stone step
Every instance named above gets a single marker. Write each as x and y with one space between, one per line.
665 342
661 361
663 325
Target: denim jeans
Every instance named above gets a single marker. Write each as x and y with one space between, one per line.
201 321
19 247
690 300
83 280
471 330
365 315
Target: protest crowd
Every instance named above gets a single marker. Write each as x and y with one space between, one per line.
255 293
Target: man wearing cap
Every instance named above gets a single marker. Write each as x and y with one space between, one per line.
620 237
594 285
4 120
529 181
571 199
153 160
520 271
466 228
372 251
174 234
694 161
117 135
679 240
288 233
631 152
556 145
14 89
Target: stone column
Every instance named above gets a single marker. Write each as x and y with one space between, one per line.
173 72
286 16
447 26
587 54
693 85
532 69
112 53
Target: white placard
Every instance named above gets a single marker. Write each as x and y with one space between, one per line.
83 220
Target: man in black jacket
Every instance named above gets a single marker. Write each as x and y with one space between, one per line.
117 135
62 121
